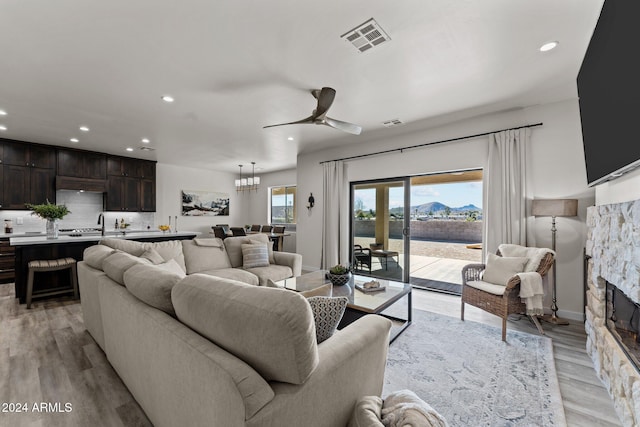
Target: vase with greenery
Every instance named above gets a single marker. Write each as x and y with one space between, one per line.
52 213
339 275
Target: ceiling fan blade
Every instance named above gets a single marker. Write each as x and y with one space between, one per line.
343 126
308 120
325 98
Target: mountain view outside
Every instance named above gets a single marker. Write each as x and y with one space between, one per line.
445 229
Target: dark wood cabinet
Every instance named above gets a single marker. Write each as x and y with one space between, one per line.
123 194
124 166
23 184
82 164
131 185
7 261
17 186
30 155
42 186
147 195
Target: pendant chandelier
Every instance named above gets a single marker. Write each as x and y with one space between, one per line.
248 183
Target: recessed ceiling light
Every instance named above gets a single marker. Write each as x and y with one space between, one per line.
290 138
167 98
129 149
74 140
145 140
84 128
3 127
548 46
3 113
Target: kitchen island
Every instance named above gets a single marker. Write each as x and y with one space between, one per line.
35 247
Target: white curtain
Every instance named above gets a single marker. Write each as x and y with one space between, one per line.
506 185
335 216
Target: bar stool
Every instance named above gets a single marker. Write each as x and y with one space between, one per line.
52 265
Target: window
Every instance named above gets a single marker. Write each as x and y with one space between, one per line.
283 205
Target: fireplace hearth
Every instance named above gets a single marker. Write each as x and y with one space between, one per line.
623 321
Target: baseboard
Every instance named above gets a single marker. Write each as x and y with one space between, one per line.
571 315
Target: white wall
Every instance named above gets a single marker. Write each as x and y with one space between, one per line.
172 179
556 165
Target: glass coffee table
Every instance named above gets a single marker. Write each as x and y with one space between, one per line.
360 303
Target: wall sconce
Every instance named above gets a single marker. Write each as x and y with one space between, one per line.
310 201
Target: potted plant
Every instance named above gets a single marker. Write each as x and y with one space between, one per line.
51 212
339 275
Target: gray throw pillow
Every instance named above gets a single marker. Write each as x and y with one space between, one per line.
327 313
255 255
500 269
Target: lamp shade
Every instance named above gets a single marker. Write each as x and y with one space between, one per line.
554 207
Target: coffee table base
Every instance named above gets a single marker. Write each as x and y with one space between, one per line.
351 315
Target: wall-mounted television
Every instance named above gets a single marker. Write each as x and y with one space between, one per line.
609 93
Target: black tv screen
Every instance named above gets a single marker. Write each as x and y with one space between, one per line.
609 93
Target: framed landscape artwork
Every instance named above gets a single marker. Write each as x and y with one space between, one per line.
204 203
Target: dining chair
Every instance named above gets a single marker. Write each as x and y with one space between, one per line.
218 231
225 228
266 229
278 228
255 227
238 231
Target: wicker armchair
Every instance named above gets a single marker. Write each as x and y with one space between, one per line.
500 305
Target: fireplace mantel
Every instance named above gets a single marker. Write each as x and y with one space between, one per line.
613 243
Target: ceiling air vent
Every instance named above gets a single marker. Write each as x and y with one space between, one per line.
392 123
366 36
145 148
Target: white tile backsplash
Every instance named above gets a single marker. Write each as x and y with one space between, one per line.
85 208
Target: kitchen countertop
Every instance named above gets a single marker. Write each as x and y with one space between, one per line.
22 239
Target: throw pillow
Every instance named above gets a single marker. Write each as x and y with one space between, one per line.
152 284
327 313
500 269
255 255
153 256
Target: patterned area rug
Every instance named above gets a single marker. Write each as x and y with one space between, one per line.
465 372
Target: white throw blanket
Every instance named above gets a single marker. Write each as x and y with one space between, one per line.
405 409
531 287
532 292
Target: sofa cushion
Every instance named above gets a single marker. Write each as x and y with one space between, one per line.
96 254
274 272
254 255
327 313
204 254
270 329
153 256
152 284
129 246
171 249
234 274
118 262
234 247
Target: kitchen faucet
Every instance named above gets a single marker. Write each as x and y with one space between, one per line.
101 217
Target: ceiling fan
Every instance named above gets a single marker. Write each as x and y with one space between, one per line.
325 98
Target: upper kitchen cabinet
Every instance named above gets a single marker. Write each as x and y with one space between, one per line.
28 174
82 164
28 155
130 184
124 166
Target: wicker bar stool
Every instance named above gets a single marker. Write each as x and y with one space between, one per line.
52 265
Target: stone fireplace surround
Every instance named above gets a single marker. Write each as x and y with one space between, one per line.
613 243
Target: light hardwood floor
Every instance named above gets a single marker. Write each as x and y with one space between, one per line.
46 355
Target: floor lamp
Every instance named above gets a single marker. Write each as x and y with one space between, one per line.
554 208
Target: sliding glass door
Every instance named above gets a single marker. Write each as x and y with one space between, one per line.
379 228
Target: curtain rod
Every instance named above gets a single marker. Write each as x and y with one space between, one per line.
428 143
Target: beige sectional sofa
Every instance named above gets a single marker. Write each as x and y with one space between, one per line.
197 346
